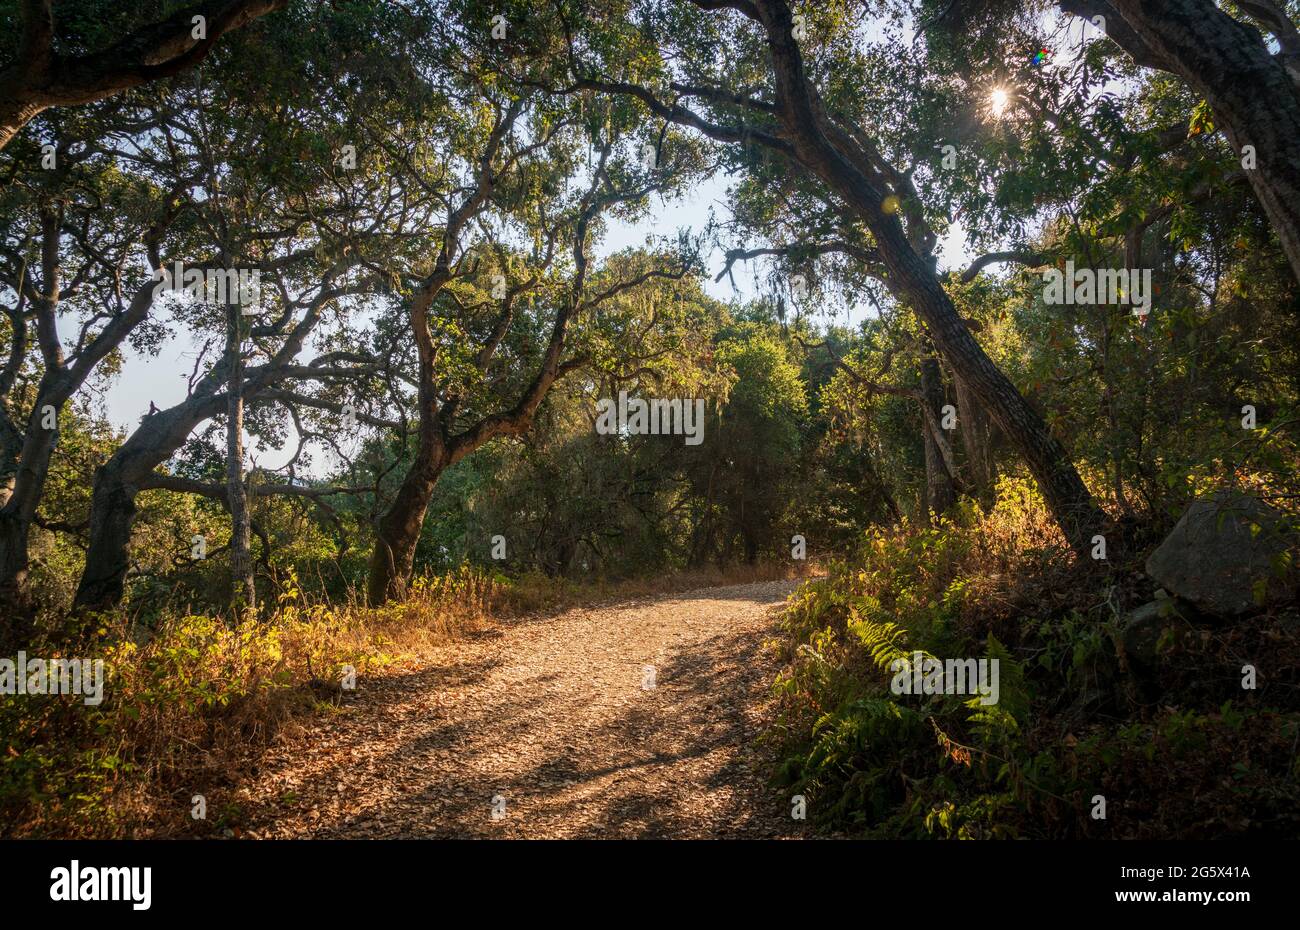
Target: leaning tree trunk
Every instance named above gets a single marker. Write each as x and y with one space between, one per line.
117 481
1066 495
914 281
243 593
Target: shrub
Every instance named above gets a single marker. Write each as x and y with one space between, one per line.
190 699
1072 721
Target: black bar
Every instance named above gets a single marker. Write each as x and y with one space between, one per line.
338 880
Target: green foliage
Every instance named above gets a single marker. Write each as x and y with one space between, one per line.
812 427
184 700
1064 727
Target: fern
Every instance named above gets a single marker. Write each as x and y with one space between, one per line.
885 642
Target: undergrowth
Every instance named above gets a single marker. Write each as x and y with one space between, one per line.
190 698
1176 748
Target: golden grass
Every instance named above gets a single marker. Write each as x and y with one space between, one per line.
197 698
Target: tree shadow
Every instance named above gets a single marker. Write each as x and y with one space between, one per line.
679 760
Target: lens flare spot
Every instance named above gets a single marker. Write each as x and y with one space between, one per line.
999 100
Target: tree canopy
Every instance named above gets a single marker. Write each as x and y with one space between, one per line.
1006 280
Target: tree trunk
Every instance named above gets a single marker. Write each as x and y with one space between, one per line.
154 441
16 518
30 475
28 460
14 115
1067 497
940 491
39 78
1256 101
112 512
914 280
243 592
974 425
15 609
846 170
398 531
112 506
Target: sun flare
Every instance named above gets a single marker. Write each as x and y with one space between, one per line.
998 101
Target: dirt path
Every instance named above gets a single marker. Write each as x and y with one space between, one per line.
550 715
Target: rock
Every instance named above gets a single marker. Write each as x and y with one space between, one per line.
1140 632
1222 555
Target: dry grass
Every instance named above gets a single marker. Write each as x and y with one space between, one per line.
194 701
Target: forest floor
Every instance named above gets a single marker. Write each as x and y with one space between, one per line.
554 723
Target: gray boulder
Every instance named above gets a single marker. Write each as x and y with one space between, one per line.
1223 555
1140 632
